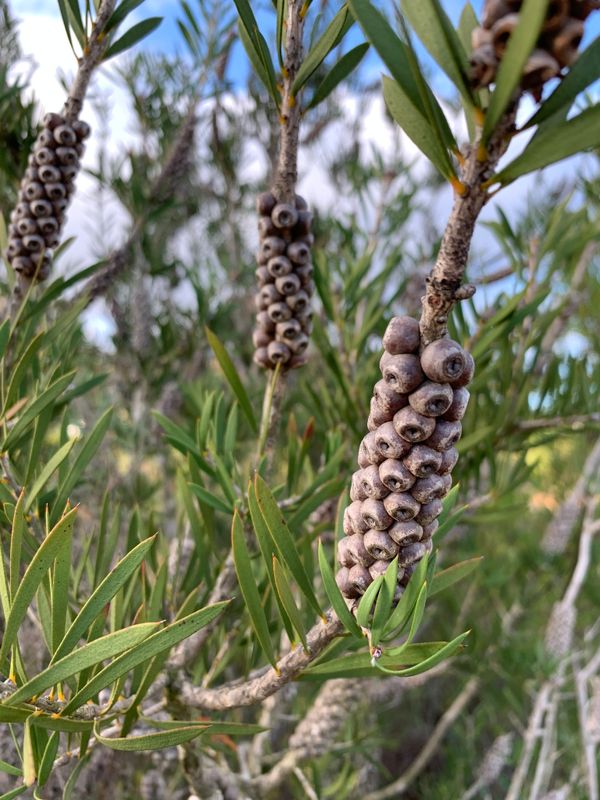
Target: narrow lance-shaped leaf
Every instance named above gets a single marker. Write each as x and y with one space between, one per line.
446 651
335 596
338 73
449 576
133 36
365 605
16 543
322 47
287 599
34 409
401 614
233 378
47 472
60 590
150 741
383 606
359 665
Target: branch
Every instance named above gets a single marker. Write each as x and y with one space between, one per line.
576 422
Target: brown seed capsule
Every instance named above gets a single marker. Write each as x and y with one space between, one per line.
456 411
34 190
480 37
467 374
407 573
429 530
33 243
272 246
389 399
15 247
298 302
403 373
443 360
52 240
300 202
402 336
378 567
299 344
44 155
445 435
371 483
343 584
288 330
21 210
261 302
309 288
540 67
581 9
427 489
266 227
402 506
279 353
31 174
60 206
279 312
40 208
305 273
47 225
412 553
262 276
375 515
429 511
260 338
264 321
404 533
359 580
284 215
279 266
67 156
298 252
55 191
379 545
65 135
269 294
50 174
396 476
377 416
447 479
423 461
261 357
389 443
80 149
493 10
431 399
449 459
368 452
412 426
356 547
353 519
45 139
501 33
69 173
25 226
556 15
52 121
23 265
357 490
302 227
82 129
288 284
565 44
344 556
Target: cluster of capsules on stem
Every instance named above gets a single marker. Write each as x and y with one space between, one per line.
406 459
284 274
44 194
556 48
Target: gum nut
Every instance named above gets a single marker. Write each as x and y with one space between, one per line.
307 325
449 459
300 203
443 360
266 227
467 374
341 579
69 173
47 225
25 226
402 506
541 67
388 443
260 302
82 129
402 336
445 435
308 239
480 37
264 321
65 135
279 353
272 246
359 579
284 215
303 226
305 273
412 553
279 312
501 32
458 407
423 461
52 121
429 512
309 288
298 252
581 9
356 546
265 203
412 426
55 191
67 156
33 243
279 266
299 344
371 483
44 155
80 149
30 174
15 247
429 530
270 294
60 206
261 357
260 338
404 533
50 174
262 275
288 330
402 373
447 479
363 456
298 302
288 284
40 208
13 231
34 190
379 545
431 399
344 556
407 573
564 46
52 240
374 514
378 567
45 138
23 265
370 444
389 399
357 491
353 520
21 210
427 489
297 360
378 415
493 10
395 476
482 66
556 15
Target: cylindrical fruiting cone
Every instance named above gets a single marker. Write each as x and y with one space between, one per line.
405 460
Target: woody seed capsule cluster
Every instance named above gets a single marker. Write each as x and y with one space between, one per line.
556 47
44 194
406 459
284 274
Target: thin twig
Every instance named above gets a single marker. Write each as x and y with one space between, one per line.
577 422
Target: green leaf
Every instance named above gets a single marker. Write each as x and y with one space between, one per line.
213 726
133 36
284 541
34 575
74 776
510 72
102 595
281 10
47 760
363 611
158 642
9 769
286 596
335 596
446 577
16 543
584 72
18 372
4 337
64 13
60 590
13 792
233 378
360 665
555 143
446 651
34 408
321 49
211 499
339 72
86 656
150 741
123 10
401 614
417 614
47 472
247 582
256 47
385 598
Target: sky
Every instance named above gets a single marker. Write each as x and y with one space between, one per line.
43 40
